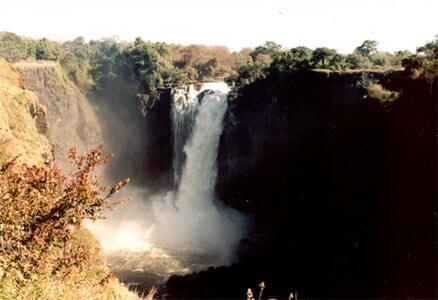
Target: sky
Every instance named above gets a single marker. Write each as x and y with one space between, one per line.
338 24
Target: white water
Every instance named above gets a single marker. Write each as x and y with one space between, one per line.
189 217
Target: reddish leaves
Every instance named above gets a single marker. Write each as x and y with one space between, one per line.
39 209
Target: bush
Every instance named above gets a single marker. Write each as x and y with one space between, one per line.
13 47
41 210
375 90
357 61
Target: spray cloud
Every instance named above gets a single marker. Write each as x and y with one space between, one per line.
190 218
186 218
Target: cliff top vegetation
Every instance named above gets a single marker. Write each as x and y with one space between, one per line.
97 64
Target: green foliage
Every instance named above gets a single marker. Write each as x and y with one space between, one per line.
424 63
296 58
269 49
374 90
151 64
108 66
13 47
302 56
206 70
413 64
367 48
380 59
260 59
327 58
430 54
357 61
75 60
46 50
430 50
366 56
40 213
256 64
251 72
115 69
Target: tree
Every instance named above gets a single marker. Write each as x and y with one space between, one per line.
13 47
414 65
357 61
430 53
296 58
381 59
301 53
108 66
46 50
270 49
368 48
75 59
337 62
398 56
206 69
150 63
424 63
430 50
323 56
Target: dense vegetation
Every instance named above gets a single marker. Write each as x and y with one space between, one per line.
44 253
147 66
272 58
95 64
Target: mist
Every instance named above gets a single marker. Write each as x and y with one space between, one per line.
191 218
128 226
185 217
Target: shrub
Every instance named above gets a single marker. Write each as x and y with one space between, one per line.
375 90
41 210
14 47
357 61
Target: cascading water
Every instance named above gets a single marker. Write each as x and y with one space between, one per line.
189 217
185 229
183 116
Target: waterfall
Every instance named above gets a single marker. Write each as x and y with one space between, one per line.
189 217
184 109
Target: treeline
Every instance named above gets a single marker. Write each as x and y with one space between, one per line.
96 65
272 57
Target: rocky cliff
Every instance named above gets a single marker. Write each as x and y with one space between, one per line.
23 120
27 128
71 118
340 185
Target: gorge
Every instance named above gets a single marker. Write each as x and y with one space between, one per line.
293 151
302 181
185 219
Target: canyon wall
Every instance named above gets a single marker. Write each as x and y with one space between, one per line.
23 121
340 187
71 118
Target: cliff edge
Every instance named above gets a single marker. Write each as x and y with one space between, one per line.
23 120
71 118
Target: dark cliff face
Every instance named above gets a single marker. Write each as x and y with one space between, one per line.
71 119
159 139
137 130
342 189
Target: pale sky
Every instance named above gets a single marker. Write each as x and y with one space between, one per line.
339 24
